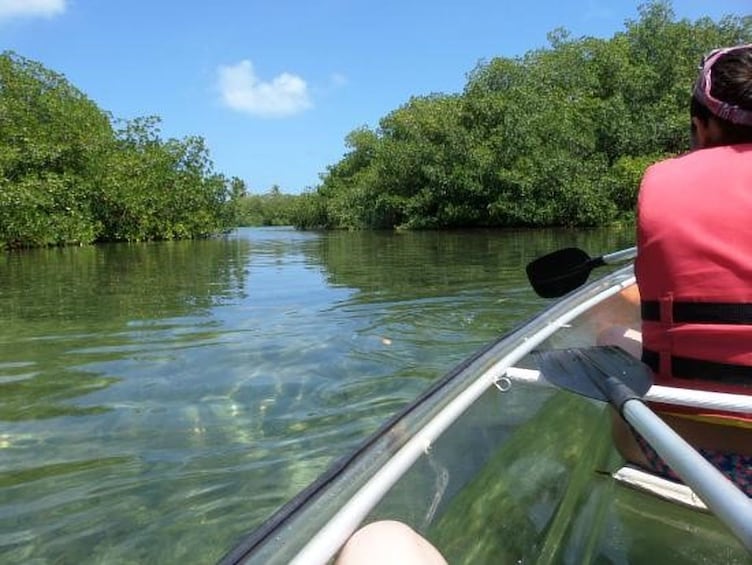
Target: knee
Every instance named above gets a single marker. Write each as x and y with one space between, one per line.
628 339
388 541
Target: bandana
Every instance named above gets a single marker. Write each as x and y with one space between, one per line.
723 110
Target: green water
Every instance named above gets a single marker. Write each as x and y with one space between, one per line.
158 401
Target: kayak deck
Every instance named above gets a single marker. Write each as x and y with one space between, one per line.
512 473
554 491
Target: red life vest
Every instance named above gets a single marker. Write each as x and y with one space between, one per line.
694 269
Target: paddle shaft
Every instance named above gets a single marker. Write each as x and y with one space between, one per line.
618 256
720 495
609 259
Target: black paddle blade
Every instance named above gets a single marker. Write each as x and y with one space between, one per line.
606 373
560 272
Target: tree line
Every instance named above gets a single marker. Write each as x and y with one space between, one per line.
272 208
557 137
70 173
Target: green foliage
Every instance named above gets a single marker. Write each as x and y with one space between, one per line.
560 136
51 137
309 212
155 189
67 176
270 209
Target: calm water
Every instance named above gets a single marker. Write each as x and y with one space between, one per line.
157 401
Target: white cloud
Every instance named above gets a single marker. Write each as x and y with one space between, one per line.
30 8
242 90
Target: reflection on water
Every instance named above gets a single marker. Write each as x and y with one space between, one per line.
157 401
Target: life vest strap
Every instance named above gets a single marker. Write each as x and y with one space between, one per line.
700 312
688 368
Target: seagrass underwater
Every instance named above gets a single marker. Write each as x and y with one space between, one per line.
158 401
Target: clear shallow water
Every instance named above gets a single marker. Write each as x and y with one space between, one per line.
157 401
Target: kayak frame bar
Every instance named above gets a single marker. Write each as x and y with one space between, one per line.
324 545
738 403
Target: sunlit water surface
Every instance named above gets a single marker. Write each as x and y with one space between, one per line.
157 401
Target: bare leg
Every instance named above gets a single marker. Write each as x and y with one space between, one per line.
625 441
629 339
386 542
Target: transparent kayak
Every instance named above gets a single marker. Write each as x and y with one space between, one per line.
494 469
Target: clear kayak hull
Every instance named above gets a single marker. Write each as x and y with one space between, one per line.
494 470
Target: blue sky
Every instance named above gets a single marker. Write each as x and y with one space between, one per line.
274 86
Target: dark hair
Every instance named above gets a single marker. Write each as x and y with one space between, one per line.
732 83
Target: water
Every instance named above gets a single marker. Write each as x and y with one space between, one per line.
159 400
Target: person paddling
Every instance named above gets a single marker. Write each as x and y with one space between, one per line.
694 275
694 270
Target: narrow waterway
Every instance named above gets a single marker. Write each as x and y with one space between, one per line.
159 400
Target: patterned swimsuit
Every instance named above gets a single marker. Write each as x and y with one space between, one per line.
738 468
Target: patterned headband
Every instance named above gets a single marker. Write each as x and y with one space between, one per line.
723 110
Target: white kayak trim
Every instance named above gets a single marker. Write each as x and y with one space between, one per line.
324 545
739 403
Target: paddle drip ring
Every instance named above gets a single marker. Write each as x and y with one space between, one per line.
504 384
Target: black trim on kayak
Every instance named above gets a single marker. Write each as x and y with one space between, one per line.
286 512
700 312
698 369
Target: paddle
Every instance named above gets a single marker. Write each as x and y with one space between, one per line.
612 375
560 272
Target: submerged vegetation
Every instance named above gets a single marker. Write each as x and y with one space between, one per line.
559 136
